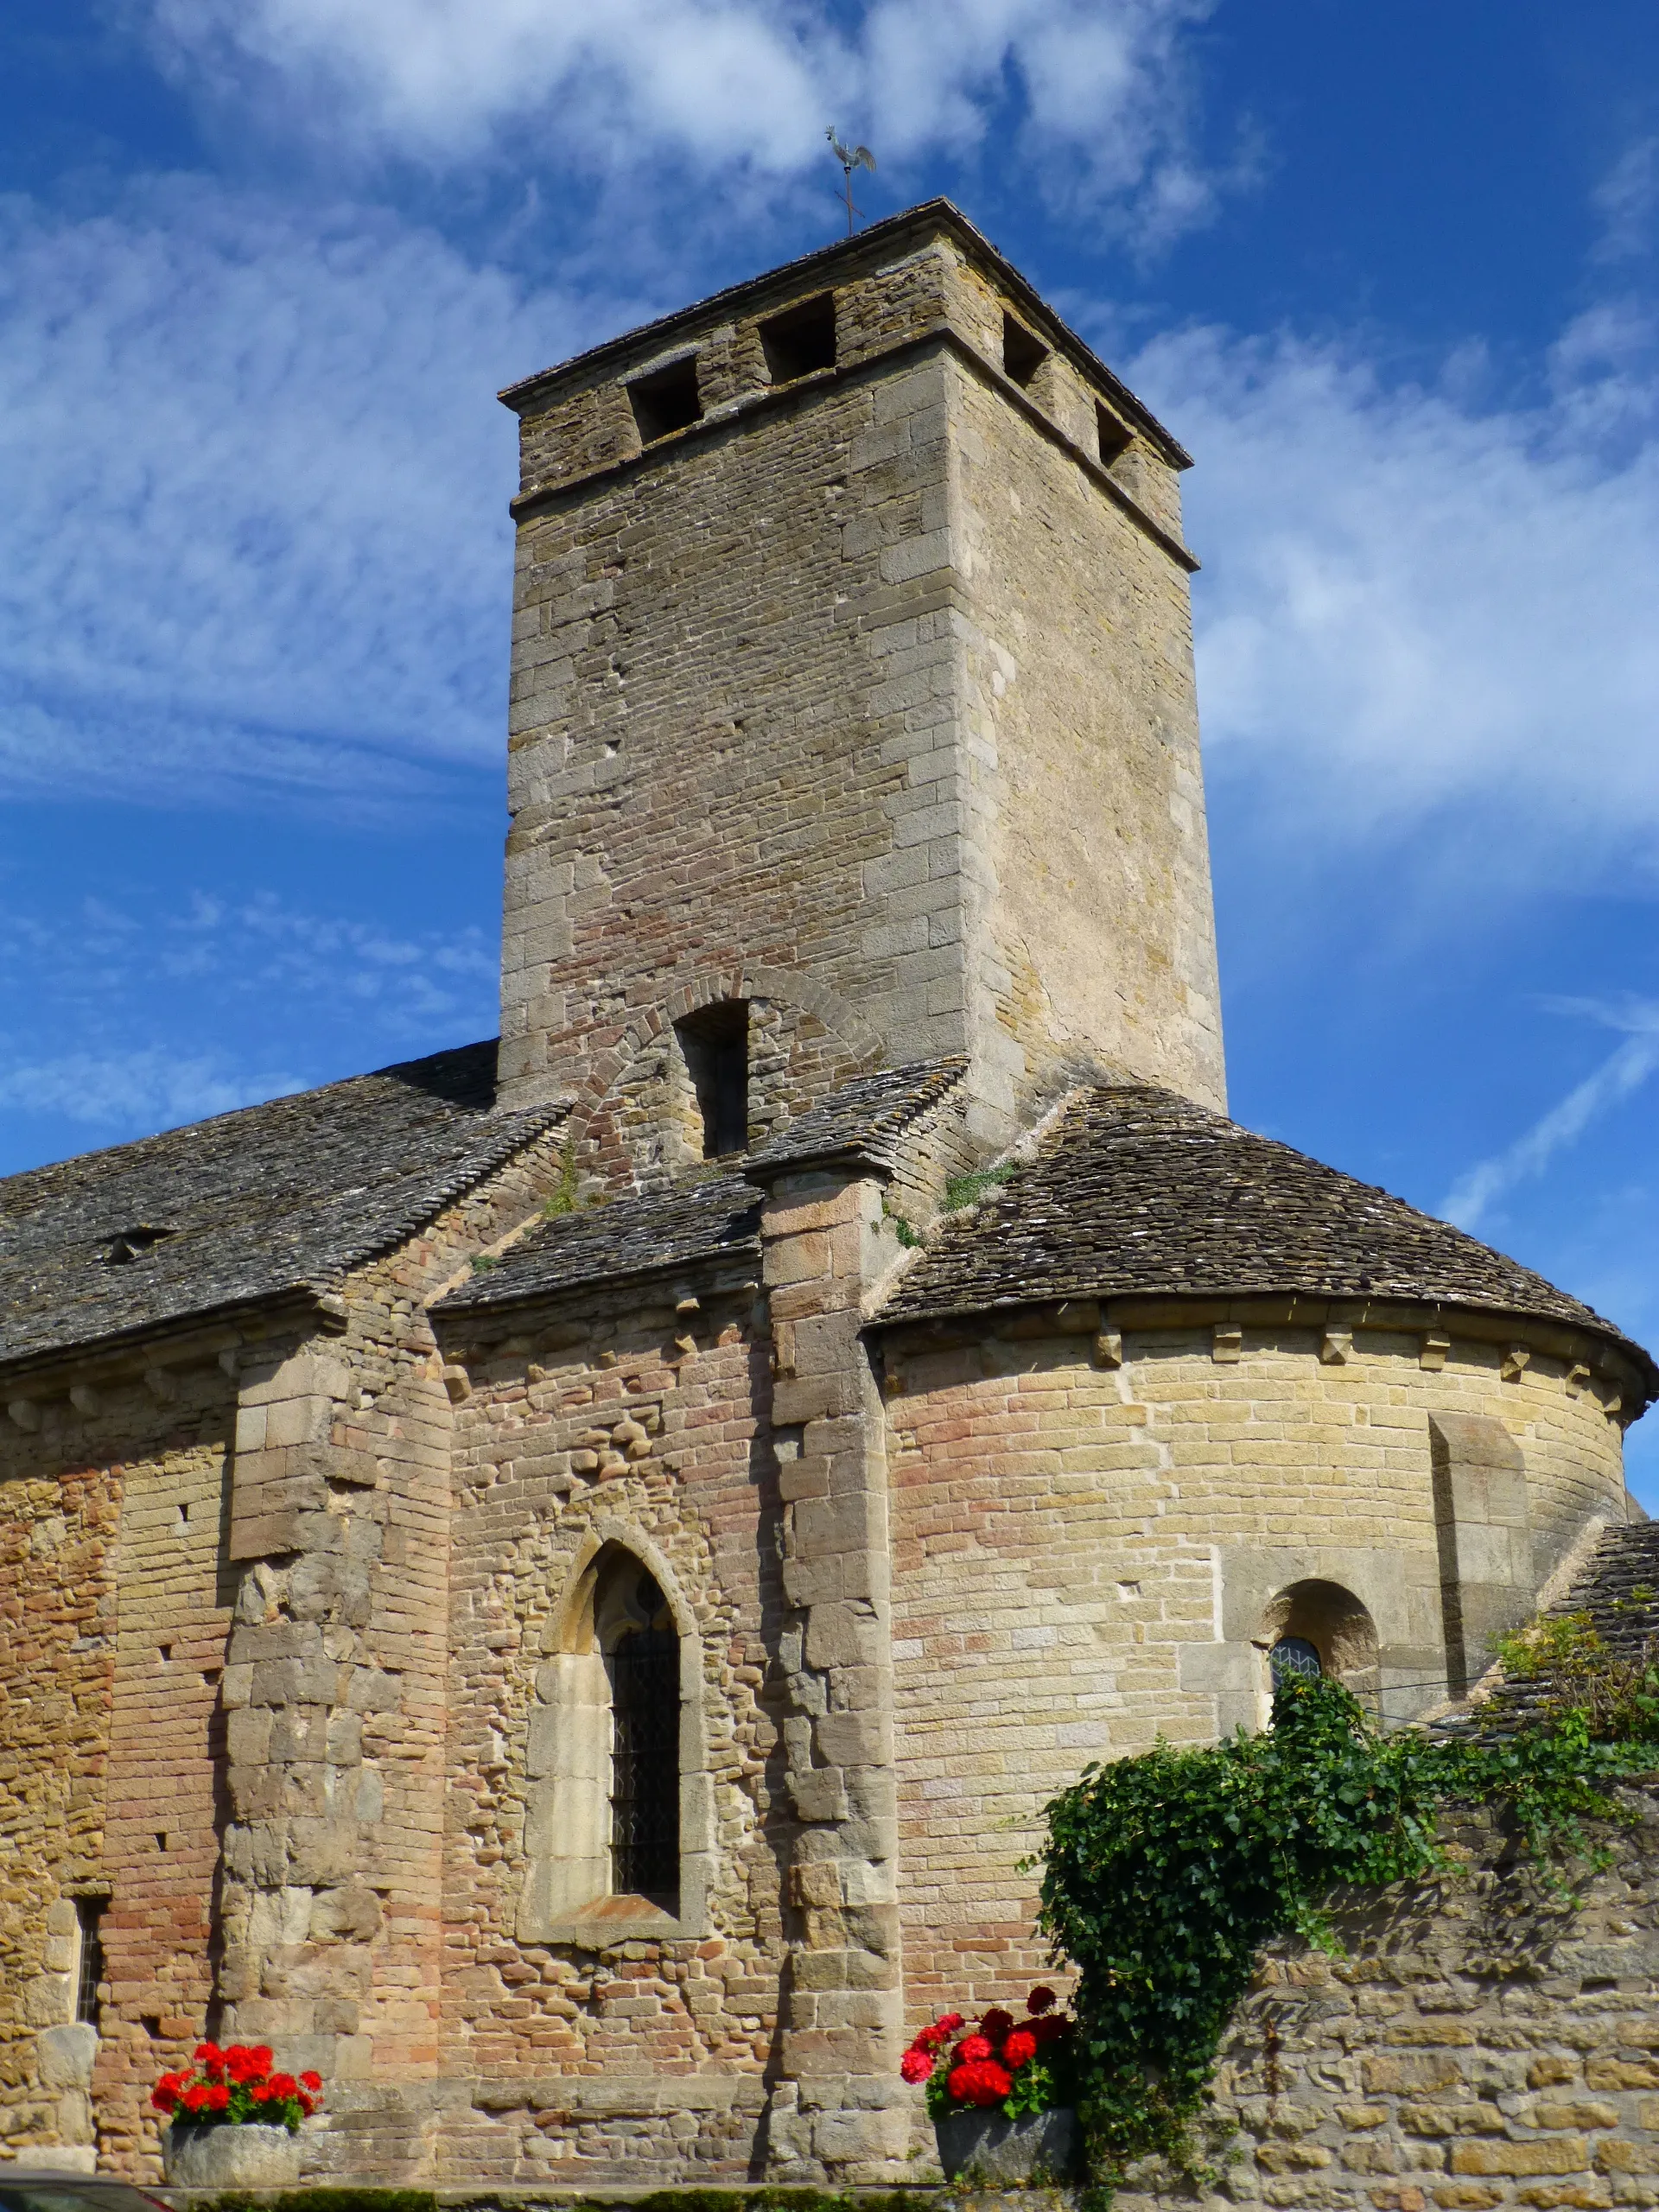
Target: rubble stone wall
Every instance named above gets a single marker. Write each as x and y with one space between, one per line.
114 1603
1481 2044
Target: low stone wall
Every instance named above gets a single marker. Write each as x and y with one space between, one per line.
1482 2043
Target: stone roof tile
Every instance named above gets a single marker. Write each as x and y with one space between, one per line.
863 1122
1137 1191
617 1240
232 1211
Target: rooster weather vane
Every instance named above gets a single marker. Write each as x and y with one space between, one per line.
851 158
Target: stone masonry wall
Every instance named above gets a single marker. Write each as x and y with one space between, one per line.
643 1422
336 1689
871 699
113 1611
1482 2045
1088 1531
1080 689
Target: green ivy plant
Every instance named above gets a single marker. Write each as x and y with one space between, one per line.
1164 1875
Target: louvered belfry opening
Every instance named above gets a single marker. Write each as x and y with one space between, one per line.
644 1666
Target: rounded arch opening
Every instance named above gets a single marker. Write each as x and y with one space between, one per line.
1319 1628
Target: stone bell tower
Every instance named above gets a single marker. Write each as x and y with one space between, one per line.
852 702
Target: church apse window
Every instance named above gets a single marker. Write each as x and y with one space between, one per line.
715 1044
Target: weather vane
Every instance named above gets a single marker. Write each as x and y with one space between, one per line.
851 158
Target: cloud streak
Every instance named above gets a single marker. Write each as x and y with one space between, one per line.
1618 1077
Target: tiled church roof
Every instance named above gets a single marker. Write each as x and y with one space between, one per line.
1137 1191
282 1197
618 1240
859 1125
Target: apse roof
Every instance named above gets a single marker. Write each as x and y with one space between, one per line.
1137 1191
278 1197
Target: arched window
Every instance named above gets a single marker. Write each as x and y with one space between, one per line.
1316 1628
1294 1656
617 1818
642 1665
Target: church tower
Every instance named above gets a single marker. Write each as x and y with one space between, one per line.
853 714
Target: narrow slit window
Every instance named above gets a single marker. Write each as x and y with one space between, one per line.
1022 354
89 1964
800 339
644 1667
1113 440
666 400
715 1044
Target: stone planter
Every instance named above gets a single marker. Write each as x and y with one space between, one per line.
227 2155
1041 2146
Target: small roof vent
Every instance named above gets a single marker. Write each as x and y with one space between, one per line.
133 1244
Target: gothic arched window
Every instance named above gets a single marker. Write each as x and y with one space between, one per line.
642 1664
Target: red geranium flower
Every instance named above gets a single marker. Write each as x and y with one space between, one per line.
312 2081
981 2081
948 2022
930 2039
1019 2047
216 2097
972 2047
915 2065
1040 1999
997 2023
284 2085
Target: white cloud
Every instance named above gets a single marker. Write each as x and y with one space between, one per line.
255 525
1618 1077
719 83
1419 612
145 1089
1626 200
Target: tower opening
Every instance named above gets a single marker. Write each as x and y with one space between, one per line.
1022 354
715 1044
1111 436
800 339
666 400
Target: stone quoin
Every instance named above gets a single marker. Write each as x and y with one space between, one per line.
552 1582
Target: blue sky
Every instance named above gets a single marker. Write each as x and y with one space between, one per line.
1389 273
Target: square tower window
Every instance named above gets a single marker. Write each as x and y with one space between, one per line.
666 400
1110 436
715 1044
800 339
1022 354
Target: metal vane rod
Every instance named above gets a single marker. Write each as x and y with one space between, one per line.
851 158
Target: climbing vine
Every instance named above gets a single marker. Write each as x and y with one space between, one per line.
1164 1875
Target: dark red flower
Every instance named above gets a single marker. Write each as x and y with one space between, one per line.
915 2065
1041 1999
997 2023
1018 2047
